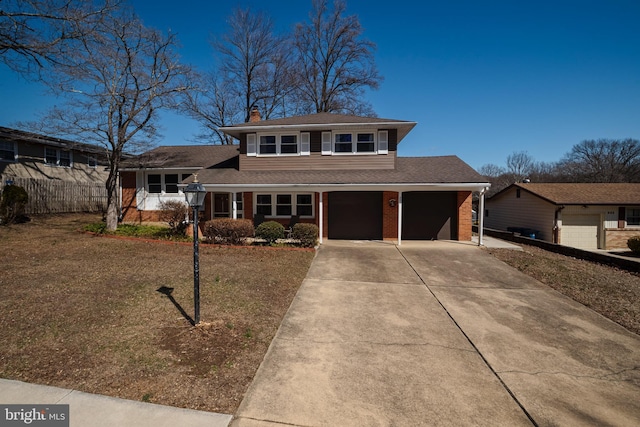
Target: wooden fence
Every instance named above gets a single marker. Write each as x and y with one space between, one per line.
54 196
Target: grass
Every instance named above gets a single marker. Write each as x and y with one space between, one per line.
111 316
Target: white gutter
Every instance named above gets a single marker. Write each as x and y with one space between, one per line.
481 217
350 187
247 129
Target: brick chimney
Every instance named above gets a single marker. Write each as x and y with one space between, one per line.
255 115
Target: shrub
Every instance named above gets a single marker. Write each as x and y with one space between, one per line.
228 231
270 231
14 200
307 234
634 244
174 213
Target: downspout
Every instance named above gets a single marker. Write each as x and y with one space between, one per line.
321 216
556 230
481 217
399 218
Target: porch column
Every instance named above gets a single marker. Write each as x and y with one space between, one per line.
320 216
234 206
399 218
481 217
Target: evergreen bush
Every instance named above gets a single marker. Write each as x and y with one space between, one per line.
270 231
12 204
634 244
307 234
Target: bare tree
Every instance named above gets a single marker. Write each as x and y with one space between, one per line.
214 103
254 61
31 31
335 64
519 166
115 80
604 160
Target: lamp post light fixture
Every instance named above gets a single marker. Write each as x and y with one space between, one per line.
195 194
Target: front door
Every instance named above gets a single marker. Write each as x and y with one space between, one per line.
221 205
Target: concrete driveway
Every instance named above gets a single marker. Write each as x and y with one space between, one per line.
439 333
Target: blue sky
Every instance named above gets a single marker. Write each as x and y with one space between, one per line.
481 79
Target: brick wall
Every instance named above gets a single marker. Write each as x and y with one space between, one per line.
464 215
389 216
617 238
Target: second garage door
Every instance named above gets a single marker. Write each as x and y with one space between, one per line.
355 215
429 215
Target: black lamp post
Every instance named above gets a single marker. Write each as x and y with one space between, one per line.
195 194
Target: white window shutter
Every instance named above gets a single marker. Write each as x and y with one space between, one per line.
251 144
383 142
326 143
305 144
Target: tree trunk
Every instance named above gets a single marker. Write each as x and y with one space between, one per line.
112 202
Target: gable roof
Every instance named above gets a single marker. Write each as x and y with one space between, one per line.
319 121
582 193
183 157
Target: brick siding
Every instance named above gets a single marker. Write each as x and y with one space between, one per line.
464 215
617 238
389 216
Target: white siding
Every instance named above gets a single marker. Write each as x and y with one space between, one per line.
528 211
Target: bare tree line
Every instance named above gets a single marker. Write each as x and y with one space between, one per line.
600 160
113 74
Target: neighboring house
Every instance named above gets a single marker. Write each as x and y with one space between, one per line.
29 155
581 215
59 175
340 172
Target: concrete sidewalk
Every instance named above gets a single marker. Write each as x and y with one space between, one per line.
439 333
92 410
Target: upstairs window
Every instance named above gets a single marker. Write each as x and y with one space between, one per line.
92 162
277 144
8 151
366 142
50 156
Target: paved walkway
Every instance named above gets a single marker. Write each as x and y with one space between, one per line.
439 333
429 333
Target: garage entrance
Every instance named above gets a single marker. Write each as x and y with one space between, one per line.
355 215
428 215
580 231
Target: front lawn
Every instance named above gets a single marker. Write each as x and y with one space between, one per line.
110 316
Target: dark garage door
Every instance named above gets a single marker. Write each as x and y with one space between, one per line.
429 215
355 215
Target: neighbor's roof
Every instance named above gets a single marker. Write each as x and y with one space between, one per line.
409 170
583 193
320 121
16 135
183 157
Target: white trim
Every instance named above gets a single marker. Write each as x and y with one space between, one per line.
15 152
320 216
244 129
301 188
274 203
354 142
278 143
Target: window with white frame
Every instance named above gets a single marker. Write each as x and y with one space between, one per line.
164 183
633 216
263 204
54 157
8 151
92 162
363 142
284 204
278 144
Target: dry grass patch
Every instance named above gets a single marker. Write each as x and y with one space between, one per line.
610 291
107 316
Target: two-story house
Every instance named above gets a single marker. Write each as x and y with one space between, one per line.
340 172
29 155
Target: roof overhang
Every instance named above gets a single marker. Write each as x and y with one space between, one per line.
399 187
403 127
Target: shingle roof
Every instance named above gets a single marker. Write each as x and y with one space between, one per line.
585 193
16 135
320 121
409 170
183 156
